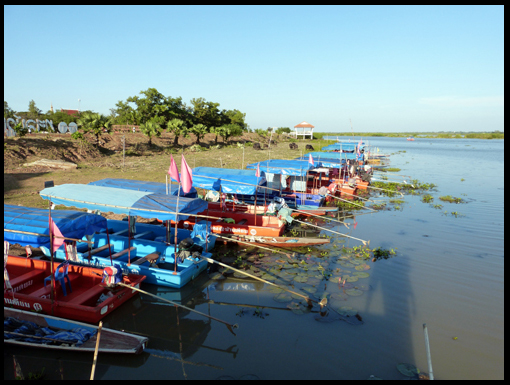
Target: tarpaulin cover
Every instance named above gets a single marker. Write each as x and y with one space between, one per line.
120 201
285 167
229 180
71 223
342 146
330 159
140 185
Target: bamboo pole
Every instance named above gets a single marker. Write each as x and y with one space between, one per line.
97 348
229 326
335 232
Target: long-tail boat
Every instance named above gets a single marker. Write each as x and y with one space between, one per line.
80 295
55 333
155 259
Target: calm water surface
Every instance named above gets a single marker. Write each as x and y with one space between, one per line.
448 273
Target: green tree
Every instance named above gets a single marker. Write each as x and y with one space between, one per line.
94 123
152 128
20 130
228 130
206 113
178 128
33 111
8 112
199 130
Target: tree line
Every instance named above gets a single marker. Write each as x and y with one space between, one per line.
153 113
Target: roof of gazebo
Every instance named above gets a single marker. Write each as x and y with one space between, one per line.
304 124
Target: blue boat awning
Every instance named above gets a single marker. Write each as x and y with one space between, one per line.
349 147
227 180
120 201
71 223
285 167
140 185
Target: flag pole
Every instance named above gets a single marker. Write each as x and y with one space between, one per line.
175 238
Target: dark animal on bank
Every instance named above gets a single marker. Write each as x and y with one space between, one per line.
293 146
309 147
256 146
273 143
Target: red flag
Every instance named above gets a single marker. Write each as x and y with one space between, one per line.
172 171
187 176
57 242
310 160
257 173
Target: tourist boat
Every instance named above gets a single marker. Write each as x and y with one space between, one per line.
278 241
410 138
287 179
80 295
154 259
158 233
224 222
57 333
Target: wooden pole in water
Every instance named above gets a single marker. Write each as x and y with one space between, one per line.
427 346
97 348
335 232
229 326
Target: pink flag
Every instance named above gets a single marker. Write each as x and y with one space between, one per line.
257 173
359 146
172 171
57 242
187 176
310 160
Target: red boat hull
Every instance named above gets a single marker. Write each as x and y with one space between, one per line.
245 224
28 292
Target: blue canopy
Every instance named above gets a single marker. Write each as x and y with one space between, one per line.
71 223
285 167
140 185
350 146
120 201
227 180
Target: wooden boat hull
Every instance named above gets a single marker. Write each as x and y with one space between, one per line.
110 341
29 293
279 241
245 224
156 233
261 209
164 274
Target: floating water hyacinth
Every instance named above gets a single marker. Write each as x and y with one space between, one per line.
301 278
354 292
363 267
361 274
347 311
310 289
283 297
349 278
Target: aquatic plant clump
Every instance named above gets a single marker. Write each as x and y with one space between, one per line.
450 199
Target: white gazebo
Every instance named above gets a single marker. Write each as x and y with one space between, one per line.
303 129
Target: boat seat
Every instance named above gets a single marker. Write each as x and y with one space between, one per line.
141 235
90 293
149 257
121 232
60 276
31 275
121 253
95 251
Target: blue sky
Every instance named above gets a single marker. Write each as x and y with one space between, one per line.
385 68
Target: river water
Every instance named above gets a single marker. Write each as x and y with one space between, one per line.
448 273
